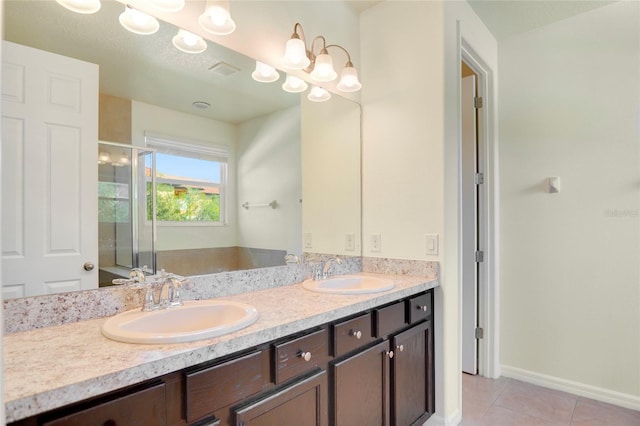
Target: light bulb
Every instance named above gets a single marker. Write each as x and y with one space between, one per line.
318 94
81 6
294 84
349 80
189 42
138 22
216 18
323 68
265 73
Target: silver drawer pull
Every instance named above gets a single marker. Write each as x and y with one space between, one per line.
400 348
356 334
306 356
422 308
389 354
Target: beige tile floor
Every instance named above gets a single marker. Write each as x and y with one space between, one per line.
508 402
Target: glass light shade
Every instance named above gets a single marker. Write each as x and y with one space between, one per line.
294 84
349 80
323 68
168 5
104 157
189 42
295 55
265 73
318 94
216 18
81 6
138 22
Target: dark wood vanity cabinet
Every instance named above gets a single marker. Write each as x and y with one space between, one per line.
373 368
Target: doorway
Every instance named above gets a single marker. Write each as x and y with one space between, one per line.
478 230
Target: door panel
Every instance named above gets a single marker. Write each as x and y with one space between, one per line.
469 228
49 149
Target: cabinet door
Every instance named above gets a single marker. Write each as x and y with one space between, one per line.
413 375
360 385
301 404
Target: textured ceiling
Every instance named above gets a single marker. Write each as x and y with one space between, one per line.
145 68
505 18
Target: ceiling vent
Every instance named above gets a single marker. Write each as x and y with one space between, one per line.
224 69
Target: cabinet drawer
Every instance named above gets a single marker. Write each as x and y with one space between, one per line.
420 307
145 407
351 334
219 386
389 319
301 355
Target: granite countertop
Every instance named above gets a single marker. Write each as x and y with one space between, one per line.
51 367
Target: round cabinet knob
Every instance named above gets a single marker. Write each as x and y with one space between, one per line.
400 348
356 334
390 354
422 308
306 356
88 266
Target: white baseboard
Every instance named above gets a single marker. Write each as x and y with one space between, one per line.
600 394
436 420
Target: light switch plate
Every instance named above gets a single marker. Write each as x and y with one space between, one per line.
431 244
308 242
350 241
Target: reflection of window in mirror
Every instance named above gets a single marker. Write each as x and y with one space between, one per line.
190 182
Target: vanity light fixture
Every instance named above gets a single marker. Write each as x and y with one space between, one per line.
138 22
189 42
265 73
294 84
104 157
216 18
81 6
318 94
168 5
320 65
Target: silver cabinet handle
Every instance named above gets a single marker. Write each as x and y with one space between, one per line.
356 334
306 356
390 354
422 308
88 266
400 347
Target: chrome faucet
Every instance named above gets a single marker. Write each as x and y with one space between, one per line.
326 268
163 293
137 275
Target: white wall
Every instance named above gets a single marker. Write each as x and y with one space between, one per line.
150 118
268 168
569 107
331 175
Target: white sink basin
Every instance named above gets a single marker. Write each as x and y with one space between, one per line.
349 284
195 320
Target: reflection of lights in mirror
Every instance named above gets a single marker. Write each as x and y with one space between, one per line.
81 6
318 94
138 22
265 73
216 18
189 42
294 84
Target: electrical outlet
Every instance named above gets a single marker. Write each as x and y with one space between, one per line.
376 243
431 244
308 242
350 241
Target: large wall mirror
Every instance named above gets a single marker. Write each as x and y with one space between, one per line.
292 182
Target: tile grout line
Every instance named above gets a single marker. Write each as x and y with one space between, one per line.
575 405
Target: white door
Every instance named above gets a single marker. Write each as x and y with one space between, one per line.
49 172
469 228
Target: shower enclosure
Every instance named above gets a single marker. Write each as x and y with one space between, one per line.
126 210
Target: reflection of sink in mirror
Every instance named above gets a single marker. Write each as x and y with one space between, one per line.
195 320
349 284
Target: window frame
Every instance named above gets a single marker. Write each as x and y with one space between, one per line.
183 147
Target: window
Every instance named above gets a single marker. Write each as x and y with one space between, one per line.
190 182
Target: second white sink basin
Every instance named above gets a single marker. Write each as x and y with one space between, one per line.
195 320
349 284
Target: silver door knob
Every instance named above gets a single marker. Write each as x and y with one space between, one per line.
390 354
306 356
356 334
400 348
88 266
